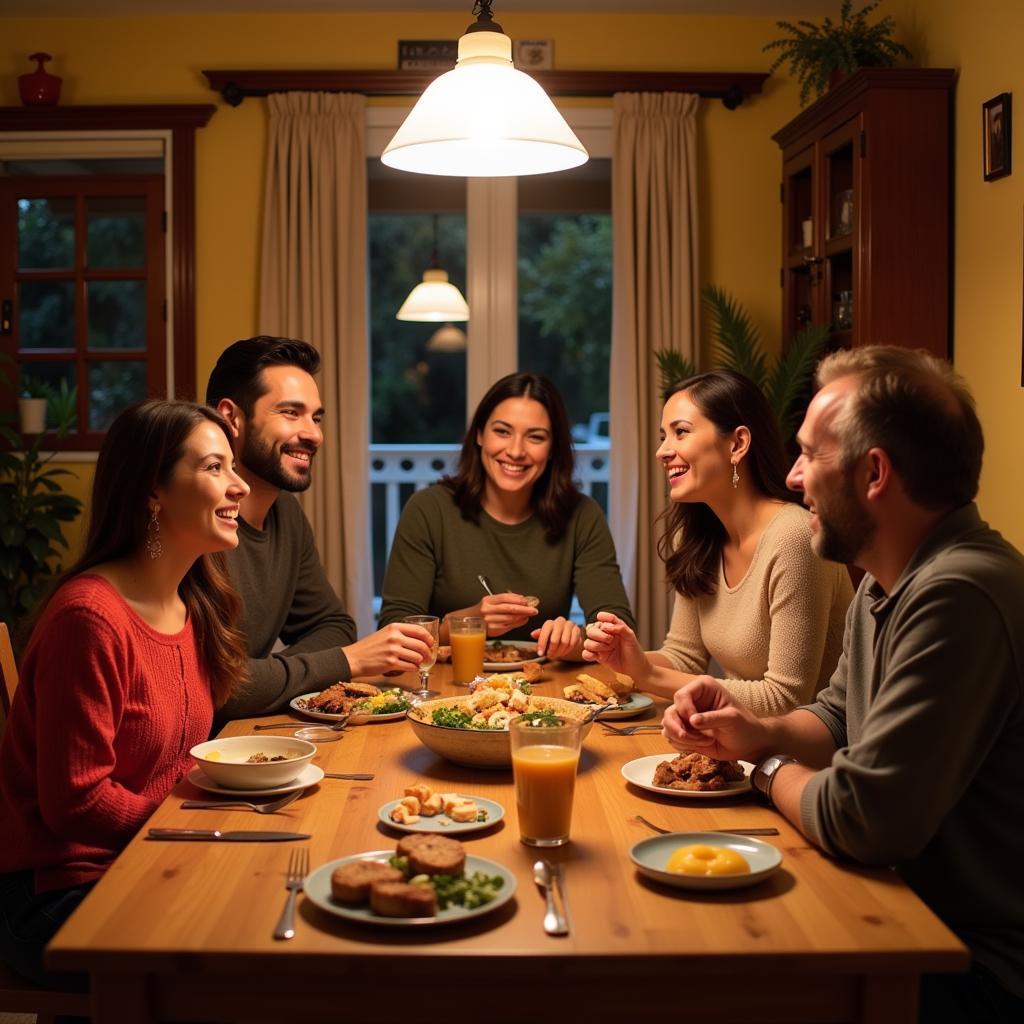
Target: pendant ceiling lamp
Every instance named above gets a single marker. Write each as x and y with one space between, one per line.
484 118
434 299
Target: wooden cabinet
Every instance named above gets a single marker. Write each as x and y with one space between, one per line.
867 211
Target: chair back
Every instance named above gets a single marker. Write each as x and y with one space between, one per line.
8 669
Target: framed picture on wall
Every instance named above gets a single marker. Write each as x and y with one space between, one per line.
995 134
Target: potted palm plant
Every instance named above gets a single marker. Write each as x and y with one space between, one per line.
33 511
817 54
32 405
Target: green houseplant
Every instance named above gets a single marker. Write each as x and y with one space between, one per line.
33 509
817 52
736 345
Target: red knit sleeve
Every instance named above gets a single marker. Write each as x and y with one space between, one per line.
80 682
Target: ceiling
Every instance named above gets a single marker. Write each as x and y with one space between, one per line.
93 8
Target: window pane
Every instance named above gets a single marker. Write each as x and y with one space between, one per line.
565 311
117 314
46 233
46 314
112 386
418 369
116 231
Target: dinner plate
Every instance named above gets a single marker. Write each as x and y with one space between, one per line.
441 822
309 776
318 889
528 650
641 773
651 855
637 703
298 704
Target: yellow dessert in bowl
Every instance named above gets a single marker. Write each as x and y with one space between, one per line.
701 859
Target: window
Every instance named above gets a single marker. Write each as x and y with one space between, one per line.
112 297
534 255
84 284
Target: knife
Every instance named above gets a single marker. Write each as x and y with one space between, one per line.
246 836
358 777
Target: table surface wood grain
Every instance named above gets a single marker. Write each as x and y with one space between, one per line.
182 930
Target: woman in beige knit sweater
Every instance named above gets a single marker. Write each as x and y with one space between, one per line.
750 592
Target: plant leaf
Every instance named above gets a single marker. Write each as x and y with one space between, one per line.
791 376
734 337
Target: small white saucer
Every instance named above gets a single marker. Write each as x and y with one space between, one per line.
309 776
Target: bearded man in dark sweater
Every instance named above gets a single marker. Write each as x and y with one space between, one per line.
265 388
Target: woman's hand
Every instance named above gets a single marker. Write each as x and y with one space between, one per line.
559 639
611 642
504 612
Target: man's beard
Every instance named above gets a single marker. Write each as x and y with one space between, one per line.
263 460
844 528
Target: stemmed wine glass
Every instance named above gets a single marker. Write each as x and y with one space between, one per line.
431 624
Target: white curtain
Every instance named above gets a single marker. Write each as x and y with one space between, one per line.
654 306
313 287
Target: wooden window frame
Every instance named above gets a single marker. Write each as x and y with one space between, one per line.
181 122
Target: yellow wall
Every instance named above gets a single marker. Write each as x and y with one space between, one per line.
982 40
159 60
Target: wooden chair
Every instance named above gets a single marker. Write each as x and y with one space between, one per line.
8 668
16 994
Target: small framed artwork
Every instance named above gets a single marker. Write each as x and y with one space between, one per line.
533 54
995 131
427 54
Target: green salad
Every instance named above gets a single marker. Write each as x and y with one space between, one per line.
467 891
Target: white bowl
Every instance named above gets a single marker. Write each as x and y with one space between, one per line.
225 761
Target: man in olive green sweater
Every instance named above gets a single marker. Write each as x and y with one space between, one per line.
264 387
911 756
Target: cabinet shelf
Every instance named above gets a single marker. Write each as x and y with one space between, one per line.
875 153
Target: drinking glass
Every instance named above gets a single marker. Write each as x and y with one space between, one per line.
430 624
545 756
468 638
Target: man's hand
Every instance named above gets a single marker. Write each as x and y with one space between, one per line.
399 647
704 717
558 638
611 642
504 612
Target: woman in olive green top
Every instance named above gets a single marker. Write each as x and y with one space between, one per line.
511 513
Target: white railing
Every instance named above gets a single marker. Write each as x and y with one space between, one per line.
400 469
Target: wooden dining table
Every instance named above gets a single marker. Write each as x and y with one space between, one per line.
182 931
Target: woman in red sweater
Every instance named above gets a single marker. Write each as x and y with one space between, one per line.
126 661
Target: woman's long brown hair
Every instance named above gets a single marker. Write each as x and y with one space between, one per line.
555 495
691 544
139 454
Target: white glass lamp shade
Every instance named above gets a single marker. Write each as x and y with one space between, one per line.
484 119
434 300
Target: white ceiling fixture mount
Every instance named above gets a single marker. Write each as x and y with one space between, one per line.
484 118
434 300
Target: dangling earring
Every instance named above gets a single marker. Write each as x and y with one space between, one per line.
735 476
153 545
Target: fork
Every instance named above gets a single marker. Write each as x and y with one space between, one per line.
271 808
628 730
735 831
298 868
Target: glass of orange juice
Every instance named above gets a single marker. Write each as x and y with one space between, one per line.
545 755
468 638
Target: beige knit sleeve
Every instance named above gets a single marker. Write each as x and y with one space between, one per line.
683 647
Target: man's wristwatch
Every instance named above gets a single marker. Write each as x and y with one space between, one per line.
763 775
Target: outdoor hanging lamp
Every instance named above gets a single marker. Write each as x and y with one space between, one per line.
484 118
434 299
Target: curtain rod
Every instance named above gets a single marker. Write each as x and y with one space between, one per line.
730 87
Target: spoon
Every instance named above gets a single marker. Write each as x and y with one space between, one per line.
554 922
486 584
